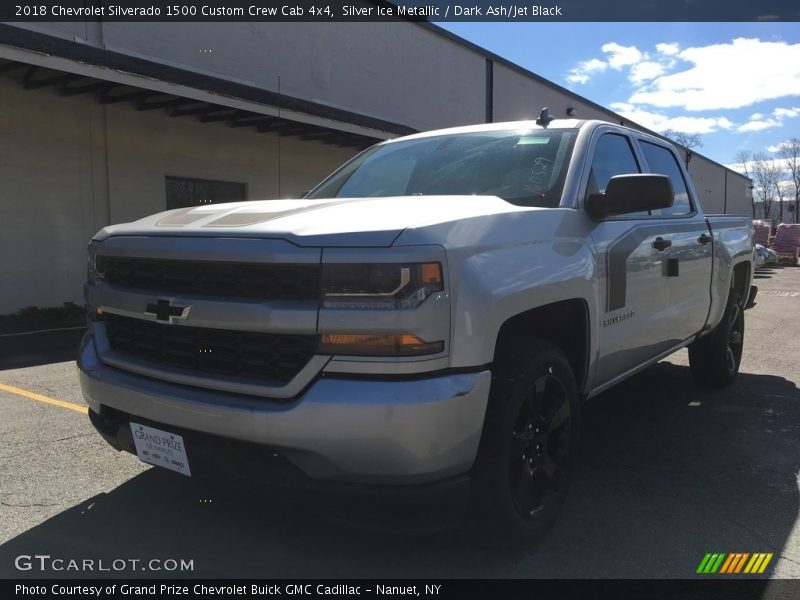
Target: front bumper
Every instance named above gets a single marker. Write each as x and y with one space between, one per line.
377 431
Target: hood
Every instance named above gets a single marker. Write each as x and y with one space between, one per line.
332 222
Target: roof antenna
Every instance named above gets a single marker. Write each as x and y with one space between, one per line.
545 117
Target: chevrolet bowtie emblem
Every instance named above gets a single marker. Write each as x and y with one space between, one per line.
165 312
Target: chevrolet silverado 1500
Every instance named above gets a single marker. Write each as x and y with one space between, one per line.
430 317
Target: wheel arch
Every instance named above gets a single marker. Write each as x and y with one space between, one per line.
564 324
740 282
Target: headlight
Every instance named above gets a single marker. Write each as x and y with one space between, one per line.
380 286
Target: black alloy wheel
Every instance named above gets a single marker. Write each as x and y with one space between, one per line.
733 350
529 445
715 358
539 451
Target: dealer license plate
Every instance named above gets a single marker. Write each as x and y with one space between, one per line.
160 448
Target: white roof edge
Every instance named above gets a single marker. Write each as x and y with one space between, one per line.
530 124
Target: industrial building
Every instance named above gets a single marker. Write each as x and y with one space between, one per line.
105 122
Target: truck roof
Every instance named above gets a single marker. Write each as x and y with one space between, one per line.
506 125
526 125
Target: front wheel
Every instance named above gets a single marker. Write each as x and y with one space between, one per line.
529 444
714 359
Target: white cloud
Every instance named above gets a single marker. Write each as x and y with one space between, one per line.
668 49
778 147
782 113
661 122
759 122
730 75
758 125
621 56
775 163
645 71
585 69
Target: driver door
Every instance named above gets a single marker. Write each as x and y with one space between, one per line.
632 292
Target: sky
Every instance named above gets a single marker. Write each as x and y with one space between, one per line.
735 84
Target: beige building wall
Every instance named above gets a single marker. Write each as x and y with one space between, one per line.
69 166
517 97
398 71
47 196
709 183
377 71
720 190
181 147
739 195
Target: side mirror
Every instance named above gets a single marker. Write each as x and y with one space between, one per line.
631 193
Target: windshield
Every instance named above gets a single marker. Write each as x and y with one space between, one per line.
523 167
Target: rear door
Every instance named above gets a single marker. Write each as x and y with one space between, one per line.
689 257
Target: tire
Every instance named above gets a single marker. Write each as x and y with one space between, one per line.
529 445
714 359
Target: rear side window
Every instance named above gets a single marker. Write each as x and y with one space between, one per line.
663 162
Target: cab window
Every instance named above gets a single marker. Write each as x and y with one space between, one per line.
663 162
613 155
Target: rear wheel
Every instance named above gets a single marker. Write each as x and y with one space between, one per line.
714 359
529 443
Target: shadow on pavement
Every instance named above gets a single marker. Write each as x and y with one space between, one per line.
669 472
33 349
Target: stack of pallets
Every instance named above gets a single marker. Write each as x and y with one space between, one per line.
787 243
763 230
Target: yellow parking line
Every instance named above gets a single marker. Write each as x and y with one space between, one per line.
45 399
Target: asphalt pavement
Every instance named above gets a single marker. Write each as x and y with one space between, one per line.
669 471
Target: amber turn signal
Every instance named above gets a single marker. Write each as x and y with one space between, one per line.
376 345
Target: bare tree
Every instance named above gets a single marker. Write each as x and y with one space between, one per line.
789 151
689 141
743 158
780 179
766 175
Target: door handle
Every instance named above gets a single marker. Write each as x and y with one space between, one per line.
661 244
704 239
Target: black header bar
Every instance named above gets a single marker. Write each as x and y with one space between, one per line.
387 10
444 589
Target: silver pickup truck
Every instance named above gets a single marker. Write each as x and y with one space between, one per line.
426 321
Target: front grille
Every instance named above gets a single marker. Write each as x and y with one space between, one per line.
208 278
267 356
